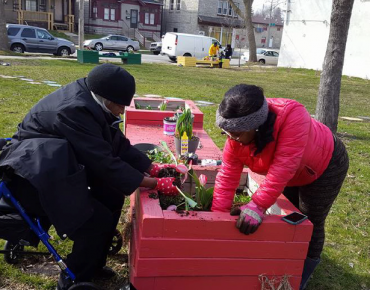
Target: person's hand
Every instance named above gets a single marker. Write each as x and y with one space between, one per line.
166 186
154 170
250 217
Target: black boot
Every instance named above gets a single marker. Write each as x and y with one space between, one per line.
308 268
104 273
63 282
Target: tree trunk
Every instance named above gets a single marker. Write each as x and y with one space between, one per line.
247 17
4 45
327 108
250 31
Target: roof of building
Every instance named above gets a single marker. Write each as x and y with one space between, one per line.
233 22
152 2
263 20
224 21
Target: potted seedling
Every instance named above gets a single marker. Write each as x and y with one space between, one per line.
184 130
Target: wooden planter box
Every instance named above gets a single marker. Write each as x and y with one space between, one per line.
155 116
204 250
186 61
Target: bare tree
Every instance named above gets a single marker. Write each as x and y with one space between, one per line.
327 107
4 45
247 18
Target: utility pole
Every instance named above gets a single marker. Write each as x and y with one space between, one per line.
81 24
272 7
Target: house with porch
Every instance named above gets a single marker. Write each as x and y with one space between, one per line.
216 18
139 19
49 14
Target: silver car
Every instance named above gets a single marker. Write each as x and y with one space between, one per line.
114 42
35 39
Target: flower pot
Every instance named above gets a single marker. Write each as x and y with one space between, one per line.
169 126
192 147
144 147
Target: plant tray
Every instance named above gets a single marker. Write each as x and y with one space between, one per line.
155 116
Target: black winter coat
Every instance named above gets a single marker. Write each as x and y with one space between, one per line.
65 138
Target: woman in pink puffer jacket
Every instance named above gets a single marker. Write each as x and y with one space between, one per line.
300 157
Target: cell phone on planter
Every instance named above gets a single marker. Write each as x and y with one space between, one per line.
294 218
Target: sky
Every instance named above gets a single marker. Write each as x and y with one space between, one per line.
258 4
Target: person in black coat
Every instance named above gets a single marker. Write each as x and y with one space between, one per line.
226 54
70 162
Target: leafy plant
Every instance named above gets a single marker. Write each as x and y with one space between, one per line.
163 105
149 107
165 147
189 202
184 123
203 195
137 106
159 156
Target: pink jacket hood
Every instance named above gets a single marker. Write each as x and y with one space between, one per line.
299 154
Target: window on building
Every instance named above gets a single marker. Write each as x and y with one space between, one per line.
31 5
172 4
152 17
94 10
175 30
146 20
224 7
42 6
178 2
113 14
149 18
110 14
219 9
106 13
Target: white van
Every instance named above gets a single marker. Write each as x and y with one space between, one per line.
181 44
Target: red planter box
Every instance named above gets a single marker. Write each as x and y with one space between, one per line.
155 116
204 250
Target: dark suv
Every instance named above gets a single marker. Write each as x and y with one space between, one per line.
35 39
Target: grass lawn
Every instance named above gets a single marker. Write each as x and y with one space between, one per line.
346 257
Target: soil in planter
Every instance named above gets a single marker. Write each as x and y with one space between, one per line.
241 198
165 200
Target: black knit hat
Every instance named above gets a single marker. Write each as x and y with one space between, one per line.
112 82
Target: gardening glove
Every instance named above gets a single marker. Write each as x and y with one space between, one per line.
250 218
165 185
157 167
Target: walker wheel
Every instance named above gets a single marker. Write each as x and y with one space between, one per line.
84 286
11 257
116 244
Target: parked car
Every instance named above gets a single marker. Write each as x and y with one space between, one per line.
264 56
156 47
113 42
35 39
182 44
245 55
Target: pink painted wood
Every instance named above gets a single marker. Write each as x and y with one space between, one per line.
155 117
204 244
